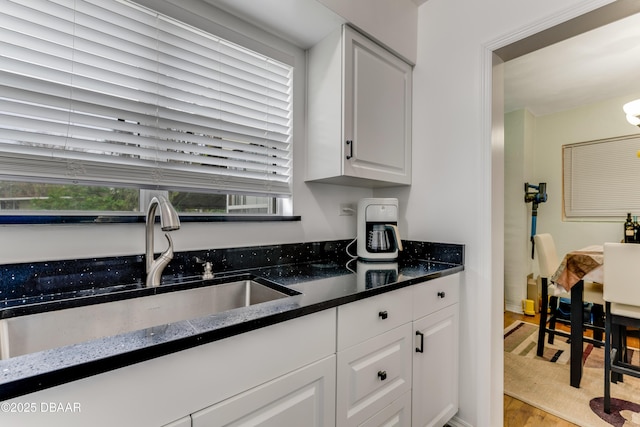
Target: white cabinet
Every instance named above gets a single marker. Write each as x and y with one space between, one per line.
435 358
409 337
359 113
373 374
168 388
374 358
301 398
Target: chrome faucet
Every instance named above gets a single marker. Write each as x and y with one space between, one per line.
169 221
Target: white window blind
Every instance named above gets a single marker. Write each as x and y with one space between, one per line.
601 178
108 92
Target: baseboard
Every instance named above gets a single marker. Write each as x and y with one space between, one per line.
514 308
457 422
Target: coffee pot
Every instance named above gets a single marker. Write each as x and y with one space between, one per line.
378 236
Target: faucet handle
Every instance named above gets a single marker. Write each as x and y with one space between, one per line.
169 252
208 268
208 271
157 266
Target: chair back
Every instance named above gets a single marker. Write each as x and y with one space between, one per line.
622 273
548 261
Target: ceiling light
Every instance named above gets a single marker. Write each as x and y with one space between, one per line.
632 109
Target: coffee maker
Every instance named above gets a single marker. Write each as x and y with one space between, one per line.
378 237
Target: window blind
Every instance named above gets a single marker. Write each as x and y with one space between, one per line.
601 178
108 92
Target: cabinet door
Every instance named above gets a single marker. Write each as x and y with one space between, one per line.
302 398
373 374
435 368
377 111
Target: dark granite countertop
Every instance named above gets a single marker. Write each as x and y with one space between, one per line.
324 278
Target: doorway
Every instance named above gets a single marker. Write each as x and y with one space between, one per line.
501 52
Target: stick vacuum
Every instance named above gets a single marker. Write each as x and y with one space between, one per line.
539 195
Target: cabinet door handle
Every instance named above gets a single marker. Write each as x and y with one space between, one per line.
441 294
420 349
383 314
382 375
350 145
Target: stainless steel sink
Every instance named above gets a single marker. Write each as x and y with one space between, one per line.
41 331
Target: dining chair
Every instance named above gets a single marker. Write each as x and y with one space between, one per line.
548 263
622 308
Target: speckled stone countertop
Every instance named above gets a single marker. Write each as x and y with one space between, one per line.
318 276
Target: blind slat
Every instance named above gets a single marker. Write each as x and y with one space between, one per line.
179 177
56 109
600 178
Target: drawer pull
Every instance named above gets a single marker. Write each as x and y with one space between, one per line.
383 314
420 349
441 294
349 143
382 375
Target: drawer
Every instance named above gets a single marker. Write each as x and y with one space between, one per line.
398 414
435 294
372 374
364 319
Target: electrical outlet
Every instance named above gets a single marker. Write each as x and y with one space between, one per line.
347 209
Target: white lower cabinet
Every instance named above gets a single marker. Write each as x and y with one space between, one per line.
396 365
435 368
372 374
409 337
300 398
162 390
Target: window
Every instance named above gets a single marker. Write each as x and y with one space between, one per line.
601 178
114 96
39 197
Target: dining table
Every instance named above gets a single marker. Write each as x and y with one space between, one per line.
578 266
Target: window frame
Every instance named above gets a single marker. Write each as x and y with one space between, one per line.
598 179
235 30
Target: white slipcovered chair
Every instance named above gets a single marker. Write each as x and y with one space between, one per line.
548 263
622 309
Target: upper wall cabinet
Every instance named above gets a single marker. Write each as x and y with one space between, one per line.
359 113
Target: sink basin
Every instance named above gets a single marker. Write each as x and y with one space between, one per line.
41 331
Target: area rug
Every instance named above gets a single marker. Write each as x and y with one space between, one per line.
543 382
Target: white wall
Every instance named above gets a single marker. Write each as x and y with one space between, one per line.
392 23
451 199
518 135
